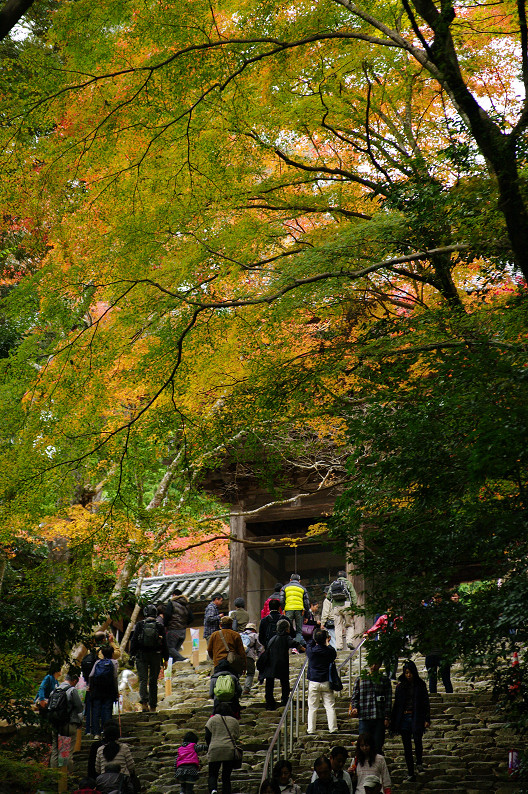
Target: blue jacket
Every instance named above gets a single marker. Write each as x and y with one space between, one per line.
49 682
319 658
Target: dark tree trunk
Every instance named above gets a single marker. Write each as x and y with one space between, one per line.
11 13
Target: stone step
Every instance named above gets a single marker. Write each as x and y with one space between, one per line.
466 748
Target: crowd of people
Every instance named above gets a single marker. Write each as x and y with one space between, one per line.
238 652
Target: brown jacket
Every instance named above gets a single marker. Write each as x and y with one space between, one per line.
216 648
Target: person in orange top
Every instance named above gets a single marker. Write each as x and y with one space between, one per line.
225 640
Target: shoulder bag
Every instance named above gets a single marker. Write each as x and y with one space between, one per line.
236 661
333 678
237 750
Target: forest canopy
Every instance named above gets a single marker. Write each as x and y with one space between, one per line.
263 233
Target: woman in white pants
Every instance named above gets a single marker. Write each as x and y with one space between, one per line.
320 654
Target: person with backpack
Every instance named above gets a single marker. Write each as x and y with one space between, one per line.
87 665
224 687
264 612
149 645
47 685
65 718
87 786
103 689
343 599
177 616
253 648
113 781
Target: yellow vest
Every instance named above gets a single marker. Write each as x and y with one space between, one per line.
294 597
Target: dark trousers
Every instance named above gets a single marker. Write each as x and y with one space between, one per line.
376 728
214 770
101 713
148 666
391 667
407 737
285 690
88 712
433 663
175 640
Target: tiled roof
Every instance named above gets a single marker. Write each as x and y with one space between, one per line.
196 586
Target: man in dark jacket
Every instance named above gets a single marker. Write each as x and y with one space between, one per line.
212 615
176 617
268 625
150 651
275 663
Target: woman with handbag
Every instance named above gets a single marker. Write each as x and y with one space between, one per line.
221 733
320 656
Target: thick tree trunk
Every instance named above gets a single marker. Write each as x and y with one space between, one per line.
11 13
498 148
133 618
512 206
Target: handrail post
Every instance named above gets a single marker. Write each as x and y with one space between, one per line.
297 726
303 696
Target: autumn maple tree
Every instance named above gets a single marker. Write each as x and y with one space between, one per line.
243 204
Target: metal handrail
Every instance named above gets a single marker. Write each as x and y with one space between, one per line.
348 661
291 719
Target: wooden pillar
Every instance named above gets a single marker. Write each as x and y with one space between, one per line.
237 562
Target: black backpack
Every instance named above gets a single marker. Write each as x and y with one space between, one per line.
59 708
87 664
150 638
339 591
270 629
102 682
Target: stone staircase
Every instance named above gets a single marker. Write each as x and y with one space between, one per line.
466 749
